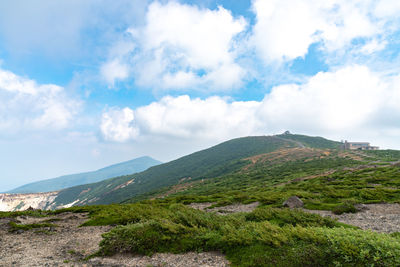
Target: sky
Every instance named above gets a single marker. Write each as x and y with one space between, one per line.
86 84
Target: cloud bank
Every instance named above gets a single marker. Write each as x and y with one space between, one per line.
348 100
183 47
285 29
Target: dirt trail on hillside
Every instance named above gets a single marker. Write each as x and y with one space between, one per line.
68 245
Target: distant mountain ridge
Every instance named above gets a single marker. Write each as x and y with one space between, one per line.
55 184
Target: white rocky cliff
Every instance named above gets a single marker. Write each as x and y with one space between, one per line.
16 202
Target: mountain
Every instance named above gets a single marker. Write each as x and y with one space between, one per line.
55 184
213 162
241 187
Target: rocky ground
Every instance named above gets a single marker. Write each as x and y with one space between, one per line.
204 259
49 246
384 218
68 244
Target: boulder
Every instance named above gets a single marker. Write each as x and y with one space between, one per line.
32 209
293 202
361 207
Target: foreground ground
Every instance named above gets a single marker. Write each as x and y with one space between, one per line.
67 244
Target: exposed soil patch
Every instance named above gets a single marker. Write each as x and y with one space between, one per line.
233 208
178 188
352 155
383 218
286 154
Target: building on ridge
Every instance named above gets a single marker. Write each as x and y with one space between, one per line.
358 146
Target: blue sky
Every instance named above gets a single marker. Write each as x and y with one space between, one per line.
84 84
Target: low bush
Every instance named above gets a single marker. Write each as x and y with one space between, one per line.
346 207
264 237
287 216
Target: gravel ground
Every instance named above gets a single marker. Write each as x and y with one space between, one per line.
55 246
205 259
384 218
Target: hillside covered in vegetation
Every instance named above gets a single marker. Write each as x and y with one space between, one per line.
216 161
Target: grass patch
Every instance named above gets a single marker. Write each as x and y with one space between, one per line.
72 252
31 213
26 227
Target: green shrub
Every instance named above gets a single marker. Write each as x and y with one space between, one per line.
346 207
264 237
287 216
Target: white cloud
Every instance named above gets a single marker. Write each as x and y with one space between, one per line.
27 105
114 70
351 101
285 29
117 125
182 45
346 99
387 8
117 67
185 47
372 46
183 117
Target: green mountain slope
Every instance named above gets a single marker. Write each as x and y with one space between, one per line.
212 162
216 161
325 179
55 184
